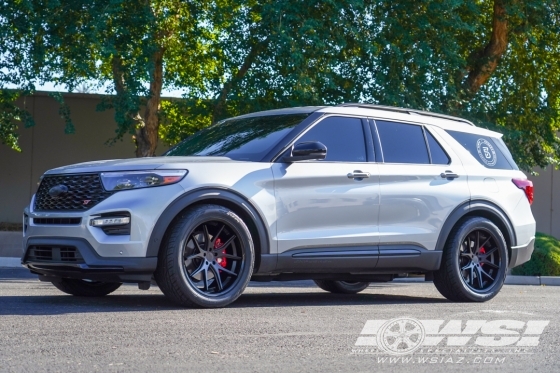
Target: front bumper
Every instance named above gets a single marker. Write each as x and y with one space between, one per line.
521 254
83 262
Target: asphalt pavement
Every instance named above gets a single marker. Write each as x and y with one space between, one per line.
276 327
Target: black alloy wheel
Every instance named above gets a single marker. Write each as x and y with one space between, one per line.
213 258
474 262
479 260
206 259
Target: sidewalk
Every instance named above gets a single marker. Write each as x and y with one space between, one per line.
10 249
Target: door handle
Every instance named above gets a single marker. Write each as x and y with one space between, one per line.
357 174
448 175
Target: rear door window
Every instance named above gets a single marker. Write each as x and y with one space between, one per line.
402 143
436 151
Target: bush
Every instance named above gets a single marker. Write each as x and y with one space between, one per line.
545 260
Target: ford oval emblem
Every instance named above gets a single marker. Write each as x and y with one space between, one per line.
58 191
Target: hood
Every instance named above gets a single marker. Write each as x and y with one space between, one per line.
134 164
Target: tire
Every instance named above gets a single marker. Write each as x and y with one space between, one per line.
341 287
474 262
83 288
206 259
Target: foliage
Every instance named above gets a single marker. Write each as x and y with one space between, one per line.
545 260
492 61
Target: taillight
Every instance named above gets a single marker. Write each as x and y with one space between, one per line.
527 186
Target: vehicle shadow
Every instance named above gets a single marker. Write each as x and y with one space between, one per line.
39 305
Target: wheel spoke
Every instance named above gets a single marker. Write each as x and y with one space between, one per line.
206 237
229 256
468 266
217 277
200 268
191 257
227 243
488 263
481 246
490 252
205 279
471 277
196 244
481 270
477 247
479 278
217 235
228 271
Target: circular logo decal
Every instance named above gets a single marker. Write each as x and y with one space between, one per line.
486 152
401 336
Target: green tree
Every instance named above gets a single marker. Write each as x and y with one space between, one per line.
134 47
492 61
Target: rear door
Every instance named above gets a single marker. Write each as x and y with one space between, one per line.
420 185
330 206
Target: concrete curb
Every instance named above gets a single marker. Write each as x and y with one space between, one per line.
510 280
10 263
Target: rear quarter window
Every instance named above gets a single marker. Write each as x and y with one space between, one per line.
488 151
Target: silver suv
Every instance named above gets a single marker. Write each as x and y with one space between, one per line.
344 195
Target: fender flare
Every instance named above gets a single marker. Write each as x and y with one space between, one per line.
488 209
201 194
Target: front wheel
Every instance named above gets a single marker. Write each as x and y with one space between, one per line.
83 288
474 262
206 259
342 287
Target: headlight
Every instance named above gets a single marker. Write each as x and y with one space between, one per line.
140 179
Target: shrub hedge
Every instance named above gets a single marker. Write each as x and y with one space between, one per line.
545 260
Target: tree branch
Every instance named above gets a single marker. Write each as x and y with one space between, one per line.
226 89
485 62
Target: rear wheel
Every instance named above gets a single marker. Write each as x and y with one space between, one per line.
342 287
207 258
83 288
474 262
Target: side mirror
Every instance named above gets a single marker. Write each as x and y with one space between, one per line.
305 151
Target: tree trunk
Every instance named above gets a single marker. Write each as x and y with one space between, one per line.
147 132
484 63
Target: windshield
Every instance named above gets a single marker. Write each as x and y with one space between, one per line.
245 139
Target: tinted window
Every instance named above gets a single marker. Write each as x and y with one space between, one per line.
343 137
247 139
483 149
402 143
436 151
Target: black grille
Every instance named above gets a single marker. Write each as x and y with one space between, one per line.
57 221
51 254
84 192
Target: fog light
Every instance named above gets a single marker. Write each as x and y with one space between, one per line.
112 220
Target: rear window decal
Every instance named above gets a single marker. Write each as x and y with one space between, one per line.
486 152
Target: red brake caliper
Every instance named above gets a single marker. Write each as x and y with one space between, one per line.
482 251
221 261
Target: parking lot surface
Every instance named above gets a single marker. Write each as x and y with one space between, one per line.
273 327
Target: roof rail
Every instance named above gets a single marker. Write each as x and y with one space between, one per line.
405 110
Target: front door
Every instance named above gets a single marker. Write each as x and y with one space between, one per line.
332 205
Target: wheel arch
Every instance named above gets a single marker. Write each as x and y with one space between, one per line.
480 208
218 196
